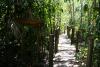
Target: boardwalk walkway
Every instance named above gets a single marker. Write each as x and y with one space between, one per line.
66 52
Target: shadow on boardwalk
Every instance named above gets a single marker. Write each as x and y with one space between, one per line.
65 55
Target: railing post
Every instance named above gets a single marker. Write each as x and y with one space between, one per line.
56 40
51 50
90 50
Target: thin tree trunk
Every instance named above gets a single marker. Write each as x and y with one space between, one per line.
73 28
51 45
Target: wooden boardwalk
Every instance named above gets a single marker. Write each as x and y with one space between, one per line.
65 57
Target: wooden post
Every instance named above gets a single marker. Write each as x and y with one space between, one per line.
56 40
90 50
72 35
77 41
97 48
68 31
51 50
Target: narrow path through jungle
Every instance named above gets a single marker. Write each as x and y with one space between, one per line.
65 57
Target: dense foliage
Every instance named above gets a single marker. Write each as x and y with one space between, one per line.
29 28
24 45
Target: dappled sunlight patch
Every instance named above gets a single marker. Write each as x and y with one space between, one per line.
76 66
62 41
66 47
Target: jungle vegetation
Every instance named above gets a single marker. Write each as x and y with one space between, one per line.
30 28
